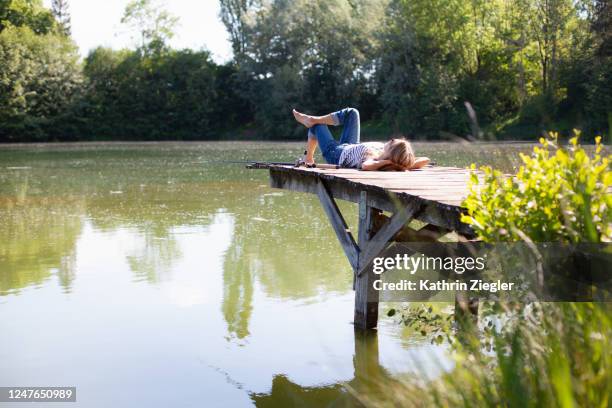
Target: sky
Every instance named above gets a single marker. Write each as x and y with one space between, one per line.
97 22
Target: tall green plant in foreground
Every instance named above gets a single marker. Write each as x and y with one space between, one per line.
558 194
539 354
544 354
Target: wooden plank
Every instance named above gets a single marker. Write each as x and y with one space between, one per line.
443 199
353 172
381 175
456 203
435 212
339 224
346 169
428 179
428 190
392 173
432 195
408 180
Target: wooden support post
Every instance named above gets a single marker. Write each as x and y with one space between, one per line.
339 224
379 242
408 197
366 297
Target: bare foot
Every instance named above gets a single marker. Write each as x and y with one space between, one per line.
305 120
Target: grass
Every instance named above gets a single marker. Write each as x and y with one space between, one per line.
544 355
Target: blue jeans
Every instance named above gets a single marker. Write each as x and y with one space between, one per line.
330 147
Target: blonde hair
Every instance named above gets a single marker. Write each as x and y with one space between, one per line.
400 153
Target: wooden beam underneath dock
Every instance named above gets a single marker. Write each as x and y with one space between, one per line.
432 195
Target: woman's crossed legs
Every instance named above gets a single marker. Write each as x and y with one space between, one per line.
319 133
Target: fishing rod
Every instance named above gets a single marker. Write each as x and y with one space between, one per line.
271 163
251 164
300 162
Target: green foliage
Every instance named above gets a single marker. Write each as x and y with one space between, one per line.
434 324
154 25
26 13
537 354
558 194
233 14
178 95
312 55
466 58
426 68
545 355
40 79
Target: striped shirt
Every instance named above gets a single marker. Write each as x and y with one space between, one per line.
353 155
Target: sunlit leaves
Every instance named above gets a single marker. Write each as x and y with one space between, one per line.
558 194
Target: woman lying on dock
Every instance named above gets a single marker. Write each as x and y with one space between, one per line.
396 154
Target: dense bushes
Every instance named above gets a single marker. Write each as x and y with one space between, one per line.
479 68
535 354
527 64
172 95
118 95
151 93
558 194
40 80
545 354
26 13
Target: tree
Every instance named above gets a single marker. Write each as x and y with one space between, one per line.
40 79
600 86
313 55
28 13
154 24
430 64
176 94
521 66
62 15
234 14
549 27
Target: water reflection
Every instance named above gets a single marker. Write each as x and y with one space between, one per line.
289 255
46 194
158 263
38 237
237 303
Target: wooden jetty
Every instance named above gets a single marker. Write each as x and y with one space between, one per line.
388 202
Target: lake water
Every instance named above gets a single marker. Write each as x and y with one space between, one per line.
158 275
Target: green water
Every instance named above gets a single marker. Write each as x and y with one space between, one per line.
155 275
